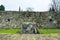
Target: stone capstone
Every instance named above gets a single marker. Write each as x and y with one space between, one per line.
29 28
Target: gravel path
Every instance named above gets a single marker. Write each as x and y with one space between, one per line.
29 36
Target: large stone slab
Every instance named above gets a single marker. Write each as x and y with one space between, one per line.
29 28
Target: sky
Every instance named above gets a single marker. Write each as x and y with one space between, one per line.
37 5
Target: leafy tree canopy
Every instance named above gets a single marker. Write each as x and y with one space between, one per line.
2 8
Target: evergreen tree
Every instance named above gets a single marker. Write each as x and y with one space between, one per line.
2 8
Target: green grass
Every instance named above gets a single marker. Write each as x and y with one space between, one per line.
49 31
9 31
41 31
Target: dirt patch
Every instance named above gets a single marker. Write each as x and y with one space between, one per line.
29 37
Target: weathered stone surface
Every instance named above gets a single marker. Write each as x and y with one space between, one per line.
29 28
14 19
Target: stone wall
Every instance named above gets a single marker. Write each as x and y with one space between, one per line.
14 19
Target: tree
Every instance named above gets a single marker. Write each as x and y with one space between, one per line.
52 9
55 5
29 9
2 8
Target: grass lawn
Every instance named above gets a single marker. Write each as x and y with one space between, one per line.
9 31
49 31
41 31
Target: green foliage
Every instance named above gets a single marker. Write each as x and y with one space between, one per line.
2 8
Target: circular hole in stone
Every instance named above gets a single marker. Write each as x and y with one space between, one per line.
50 20
8 19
